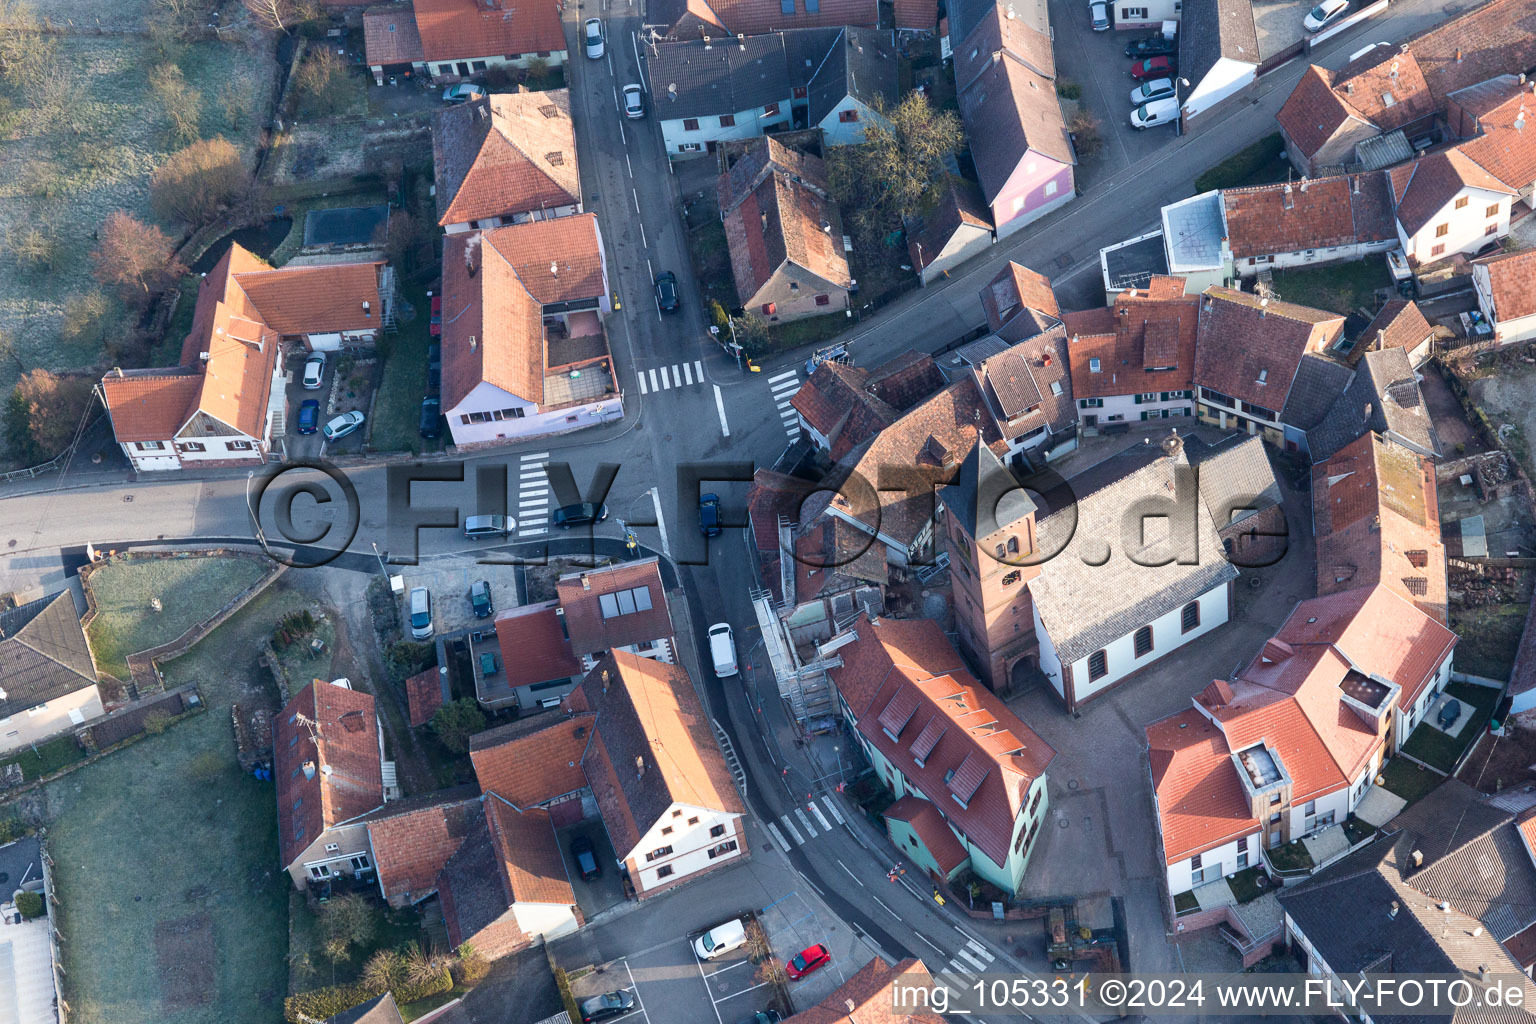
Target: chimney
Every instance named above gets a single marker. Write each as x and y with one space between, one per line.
1303 183
1475 933
1393 912
605 680
741 40
710 46
1393 72
367 309
1356 188
765 220
1287 200
586 582
1046 360
469 260
309 769
1458 55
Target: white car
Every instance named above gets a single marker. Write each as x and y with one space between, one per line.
420 609
314 371
1155 113
342 425
1324 14
593 31
634 100
1098 11
1156 89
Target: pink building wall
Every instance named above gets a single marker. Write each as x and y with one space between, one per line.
1034 187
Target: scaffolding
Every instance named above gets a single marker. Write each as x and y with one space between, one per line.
804 686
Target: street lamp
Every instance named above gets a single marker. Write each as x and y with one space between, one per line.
1178 106
261 536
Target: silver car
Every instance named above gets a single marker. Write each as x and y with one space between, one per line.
342 425
634 100
314 371
1156 89
593 33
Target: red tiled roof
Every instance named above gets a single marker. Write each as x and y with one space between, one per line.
460 29
1511 282
1400 324
1324 100
1200 799
508 153
1424 187
1490 39
1347 209
1378 631
497 335
316 299
528 854
1143 334
557 260
1015 288
343 752
865 998
756 17
390 36
782 221
1313 111
837 403
411 847
581 596
1242 340
424 695
1009 112
531 762
985 755
151 406
533 645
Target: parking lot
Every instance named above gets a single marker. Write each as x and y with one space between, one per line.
449 580
333 400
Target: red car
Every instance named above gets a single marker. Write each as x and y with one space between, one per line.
808 960
1154 67
435 325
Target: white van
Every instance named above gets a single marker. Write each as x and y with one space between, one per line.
720 939
722 649
421 613
1154 113
487 526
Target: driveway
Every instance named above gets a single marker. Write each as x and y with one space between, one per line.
448 579
606 890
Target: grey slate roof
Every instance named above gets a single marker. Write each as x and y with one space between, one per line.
985 497
859 64
378 1010
1318 383
44 654
1234 475
1085 606
1212 29
1383 397
473 879
699 79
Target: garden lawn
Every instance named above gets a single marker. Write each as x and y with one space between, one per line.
397 410
309 968
47 758
1341 288
1185 902
1245 884
1439 750
1408 780
1488 638
712 263
174 908
1258 164
66 178
189 589
1290 856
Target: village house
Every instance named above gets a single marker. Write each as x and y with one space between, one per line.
1327 220
696 19
508 158
1383 397
537 666
1447 888
865 998
968 775
1247 355
956 228
841 406
1399 324
620 607
1330 113
410 840
1447 204
452 40
225 403
1506 293
708 90
1005 77
1027 388
47 673
784 234
1135 360
328 760
524 350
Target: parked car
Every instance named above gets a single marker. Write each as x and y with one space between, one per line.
1152 46
434 367
435 321
666 292
464 92
309 416
477 527
1098 13
722 649
431 417
762 1017
340 426
314 371
584 514
593 33
709 515
1155 114
1156 89
1154 67
721 939
807 960
421 613
1324 14
480 599
634 100
610 1004
586 860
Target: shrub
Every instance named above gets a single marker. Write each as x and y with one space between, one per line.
325 1003
408 658
12 829
1069 90
195 183
30 904
566 995
1085 134
455 723
471 967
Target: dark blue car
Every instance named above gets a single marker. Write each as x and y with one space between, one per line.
309 416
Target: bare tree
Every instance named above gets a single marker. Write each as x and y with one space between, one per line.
36 246
86 318
181 102
132 255
54 406
321 83
198 181
279 14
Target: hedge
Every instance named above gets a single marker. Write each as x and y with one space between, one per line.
325 1003
1236 169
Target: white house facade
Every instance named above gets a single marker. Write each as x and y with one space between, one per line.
1468 220
683 841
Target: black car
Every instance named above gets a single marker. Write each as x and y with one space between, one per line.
480 599
581 852
431 417
709 515
1152 46
610 1004
666 291
584 514
762 1017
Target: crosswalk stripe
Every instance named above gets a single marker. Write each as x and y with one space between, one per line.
534 533
816 810
653 381
954 965
698 369
677 381
687 374
778 836
788 414
784 393
641 378
981 951
782 376
535 456
979 964
790 826
832 806
806 821
529 507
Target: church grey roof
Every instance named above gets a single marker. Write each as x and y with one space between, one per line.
985 497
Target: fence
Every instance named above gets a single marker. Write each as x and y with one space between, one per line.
54 939
1362 15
